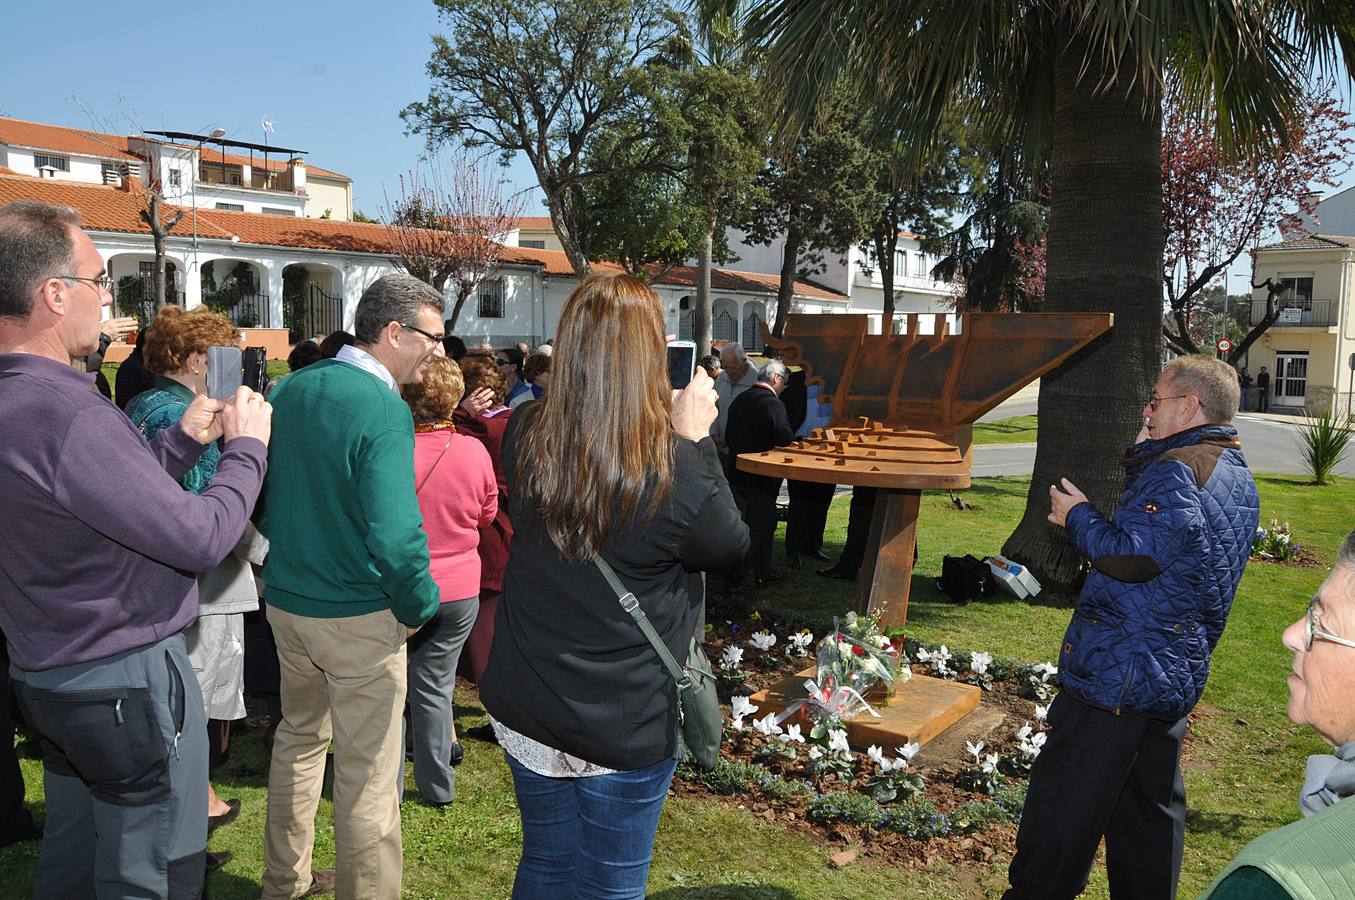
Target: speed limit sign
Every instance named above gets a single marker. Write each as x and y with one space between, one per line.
1225 345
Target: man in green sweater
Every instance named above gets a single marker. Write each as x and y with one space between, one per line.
348 582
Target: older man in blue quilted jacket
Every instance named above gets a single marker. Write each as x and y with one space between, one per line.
1136 655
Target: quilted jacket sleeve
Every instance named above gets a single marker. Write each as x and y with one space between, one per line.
1151 529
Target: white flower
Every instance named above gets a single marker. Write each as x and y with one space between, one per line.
1037 741
990 764
767 725
877 756
793 734
762 640
815 751
800 642
844 649
881 641
979 662
908 751
1046 670
850 619
923 654
1024 732
732 658
974 750
1041 713
871 666
740 707
837 741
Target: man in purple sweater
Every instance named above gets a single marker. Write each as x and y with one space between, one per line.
96 575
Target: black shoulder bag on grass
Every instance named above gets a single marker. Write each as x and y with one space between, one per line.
698 707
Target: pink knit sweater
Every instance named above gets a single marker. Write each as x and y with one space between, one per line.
457 498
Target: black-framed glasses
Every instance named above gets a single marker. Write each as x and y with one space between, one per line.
1155 400
435 338
103 282
1314 633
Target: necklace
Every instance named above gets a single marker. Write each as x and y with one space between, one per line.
435 425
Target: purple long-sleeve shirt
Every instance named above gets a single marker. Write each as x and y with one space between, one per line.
100 543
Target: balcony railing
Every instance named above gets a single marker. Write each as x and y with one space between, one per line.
1299 313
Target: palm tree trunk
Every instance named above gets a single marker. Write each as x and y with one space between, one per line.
1104 254
701 313
786 290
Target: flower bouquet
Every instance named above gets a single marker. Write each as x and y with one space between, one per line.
855 661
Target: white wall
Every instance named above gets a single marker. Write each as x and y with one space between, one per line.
86 169
1336 214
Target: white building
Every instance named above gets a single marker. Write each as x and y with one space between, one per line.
207 174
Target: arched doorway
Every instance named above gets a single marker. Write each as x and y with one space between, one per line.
236 289
133 285
754 314
724 320
312 300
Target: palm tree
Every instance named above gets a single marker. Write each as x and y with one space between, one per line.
1078 82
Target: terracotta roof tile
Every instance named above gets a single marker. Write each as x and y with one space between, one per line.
535 223
17 132
113 209
1314 242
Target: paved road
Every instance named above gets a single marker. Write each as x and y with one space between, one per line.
1271 445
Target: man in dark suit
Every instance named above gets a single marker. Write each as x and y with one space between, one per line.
757 422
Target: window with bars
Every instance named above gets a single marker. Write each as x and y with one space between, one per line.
175 178
46 160
231 207
278 211
489 299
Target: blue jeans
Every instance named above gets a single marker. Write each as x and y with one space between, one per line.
588 837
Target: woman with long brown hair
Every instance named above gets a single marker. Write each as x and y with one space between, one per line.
611 463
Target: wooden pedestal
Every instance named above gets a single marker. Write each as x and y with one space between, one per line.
886 573
920 709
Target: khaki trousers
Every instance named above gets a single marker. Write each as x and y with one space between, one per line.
345 679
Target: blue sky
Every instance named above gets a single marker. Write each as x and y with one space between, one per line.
332 76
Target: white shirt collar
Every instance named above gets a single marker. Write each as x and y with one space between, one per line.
367 363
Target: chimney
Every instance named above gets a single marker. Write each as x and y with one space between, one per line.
131 184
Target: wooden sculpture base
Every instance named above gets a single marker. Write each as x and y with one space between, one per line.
886 574
920 709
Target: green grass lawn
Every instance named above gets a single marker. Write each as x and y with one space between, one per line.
1242 776
1016 430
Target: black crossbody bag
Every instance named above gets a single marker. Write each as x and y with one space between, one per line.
699 722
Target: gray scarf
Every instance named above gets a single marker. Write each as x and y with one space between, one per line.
1329 779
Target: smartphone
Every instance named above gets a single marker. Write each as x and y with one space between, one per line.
225 372
681 363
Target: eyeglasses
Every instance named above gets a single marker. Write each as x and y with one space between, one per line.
1153 402
435 338
103 282
1315 633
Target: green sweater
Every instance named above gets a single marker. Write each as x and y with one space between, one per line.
339 510
1309 859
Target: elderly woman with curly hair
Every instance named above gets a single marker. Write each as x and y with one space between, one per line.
454 482
176 353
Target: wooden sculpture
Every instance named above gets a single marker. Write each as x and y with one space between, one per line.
903 412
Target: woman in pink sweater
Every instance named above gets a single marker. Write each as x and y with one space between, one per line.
454 479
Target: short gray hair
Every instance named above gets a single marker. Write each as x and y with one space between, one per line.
1345 557
773 369
392 298
1212 380
35 244
734 350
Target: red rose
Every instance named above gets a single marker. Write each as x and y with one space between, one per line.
857 649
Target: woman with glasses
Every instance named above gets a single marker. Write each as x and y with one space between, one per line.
1312 857
176 353
624 470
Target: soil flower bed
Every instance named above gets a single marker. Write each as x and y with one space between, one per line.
957 799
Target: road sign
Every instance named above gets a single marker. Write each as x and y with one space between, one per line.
1224 345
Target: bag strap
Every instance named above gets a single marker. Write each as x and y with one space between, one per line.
418 487
632 606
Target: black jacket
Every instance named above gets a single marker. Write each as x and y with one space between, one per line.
757 422
569 667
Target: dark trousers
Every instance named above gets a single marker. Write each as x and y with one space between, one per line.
757 499
808 513
858 529
15 821
1102 774
1263 399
